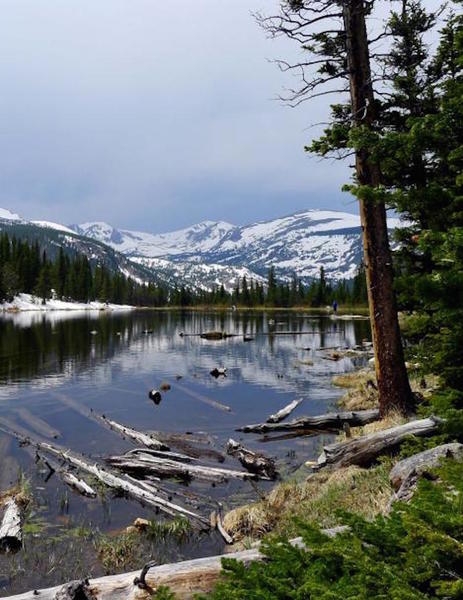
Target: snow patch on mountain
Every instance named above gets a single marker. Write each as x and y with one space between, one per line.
51 225
7 215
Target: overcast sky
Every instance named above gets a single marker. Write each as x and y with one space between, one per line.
153 115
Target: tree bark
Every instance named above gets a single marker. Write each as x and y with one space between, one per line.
391 374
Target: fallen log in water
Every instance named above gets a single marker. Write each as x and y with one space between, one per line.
284 412
320 422
10 529
146 463
110 479
191 444
252 461
364 450
138 437
405 474
119 483
79 485
184 579
162 454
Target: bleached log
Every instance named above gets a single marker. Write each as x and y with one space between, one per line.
327 421
405 474
138 437
221 529
184 579
162 454
284 412
365 449
146 463
79 485
252 461
113 481
10 529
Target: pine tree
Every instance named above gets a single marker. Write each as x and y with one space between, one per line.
341 54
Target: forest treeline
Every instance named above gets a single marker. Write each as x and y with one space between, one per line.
24 268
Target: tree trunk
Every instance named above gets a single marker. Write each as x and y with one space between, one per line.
391 374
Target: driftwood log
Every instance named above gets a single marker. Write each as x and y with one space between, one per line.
142 463
185 579
254 462
160 454
320 422
113 481
138 437
364 450
284 412
405 474
79 485
10 529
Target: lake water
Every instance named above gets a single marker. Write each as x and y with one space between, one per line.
57 368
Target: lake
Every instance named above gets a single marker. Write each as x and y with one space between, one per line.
60 369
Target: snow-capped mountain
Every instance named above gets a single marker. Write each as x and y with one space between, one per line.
191 240
298 243
214 253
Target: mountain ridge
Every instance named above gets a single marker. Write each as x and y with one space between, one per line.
214 253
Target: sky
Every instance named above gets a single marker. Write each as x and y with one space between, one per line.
153 115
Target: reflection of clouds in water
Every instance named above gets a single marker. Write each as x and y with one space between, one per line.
165 354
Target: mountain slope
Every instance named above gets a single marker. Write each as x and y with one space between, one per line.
52 236
298 243
213 253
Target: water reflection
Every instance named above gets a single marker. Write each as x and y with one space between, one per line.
56 368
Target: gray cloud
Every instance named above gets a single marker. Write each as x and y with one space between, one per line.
152 115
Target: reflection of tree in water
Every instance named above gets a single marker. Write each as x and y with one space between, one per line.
47 347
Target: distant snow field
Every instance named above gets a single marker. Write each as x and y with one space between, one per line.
26 302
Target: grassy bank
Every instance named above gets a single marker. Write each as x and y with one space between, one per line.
317 498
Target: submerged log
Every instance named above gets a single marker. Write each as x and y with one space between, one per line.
10 529
364 450
184 579
146 463
405 474
284 412
252 461
195 445
320 422
143 439
202 398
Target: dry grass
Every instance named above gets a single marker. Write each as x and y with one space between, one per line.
362 392
361 385
21 492
366 492
362 491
